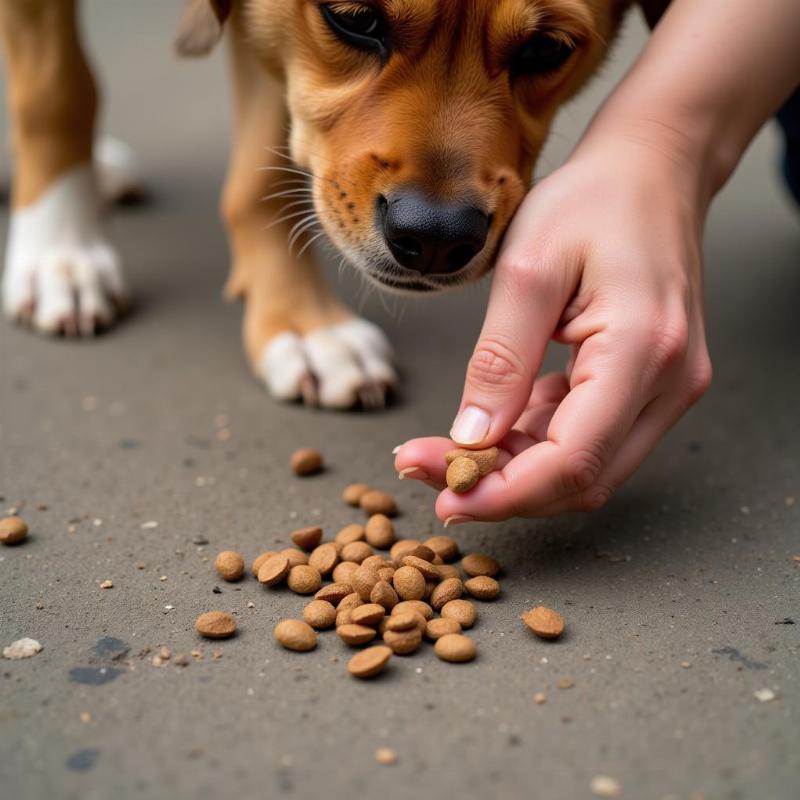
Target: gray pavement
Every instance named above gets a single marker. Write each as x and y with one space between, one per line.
692 562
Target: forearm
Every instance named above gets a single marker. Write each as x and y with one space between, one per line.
710 76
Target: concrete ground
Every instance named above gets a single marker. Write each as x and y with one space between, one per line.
680 596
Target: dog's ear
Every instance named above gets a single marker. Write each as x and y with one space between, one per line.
201 26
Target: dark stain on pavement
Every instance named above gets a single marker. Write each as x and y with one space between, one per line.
734 655
109 649
94 676
82 760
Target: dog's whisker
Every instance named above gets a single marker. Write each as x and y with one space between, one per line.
301 227
287 193
296 238
284 217
309 243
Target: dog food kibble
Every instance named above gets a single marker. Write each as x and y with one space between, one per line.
449 571
304 579
307 538
259 561
401 548
479 564
369 662
320 614
384 595
462 475
306 461
274 570
455 647
402 622
343 572
436 628
369 614
294 634
12 530
449 589
429 571
356 551
377 502
229 565
420 606
462 611
363 581
482 587
379 531
403 643
409 583
324 558
351 533
354 635
350 602
215 625
334 593
443 546
485 459
544 622
421 551
353 493
295 556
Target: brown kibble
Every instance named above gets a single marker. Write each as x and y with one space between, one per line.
295 556
13 530
343 571
356 551
462 611
380 531
306 461
444 547
320 614
462 475
421 607
483 587
369 662
429 571
181 660
480 564
409 583
307 538
353 493
436 628
377 502
353 634
565 683
107 584
384 595
324 558
351 601
402 547
294 634
455 647
351 533
485 459
215 625
259 561
375 562
334 593
368 614
364 579
403 622
386 574
405 642
544 622
229 565
540 698
449 589
304 579
421 551
274 570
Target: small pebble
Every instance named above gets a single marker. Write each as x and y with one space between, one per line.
107 585
540 698
385 756
764 695
22 648
605 786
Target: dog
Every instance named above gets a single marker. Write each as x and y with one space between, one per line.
413 130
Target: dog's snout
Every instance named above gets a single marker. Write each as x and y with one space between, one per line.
431 237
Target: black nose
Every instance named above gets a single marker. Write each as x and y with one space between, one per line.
431 237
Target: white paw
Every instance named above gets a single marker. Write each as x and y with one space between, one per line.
338 366
61 273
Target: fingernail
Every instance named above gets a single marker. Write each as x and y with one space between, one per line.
471 426
457 519
396 450
420 474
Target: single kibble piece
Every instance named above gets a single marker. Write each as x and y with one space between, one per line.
259 561
449 571
384 595
344 617
455 647
449 589
485 459
402 547
403 622
429 571
483 587
403 643
353 634
419 606
421 551
375 562
13 530
307 538
351 533
462 475
320 614
304 579
353 493
544 622
274 570
385 756
443 546
324 558
356 551
462 611
386 574
215 625
306 461
229 565
380 531
294 634
377 502
343 572
363 581
351 601
295 556
480 564
369 614
436 628
334 593
409 583
369 662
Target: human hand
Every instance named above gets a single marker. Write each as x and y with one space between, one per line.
603 255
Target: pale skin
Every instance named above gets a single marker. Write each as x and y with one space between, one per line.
605 255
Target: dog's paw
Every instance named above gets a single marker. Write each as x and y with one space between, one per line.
338 366
61 273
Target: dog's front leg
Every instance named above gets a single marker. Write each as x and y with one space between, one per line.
300 340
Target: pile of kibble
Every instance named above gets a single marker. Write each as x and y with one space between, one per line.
395 594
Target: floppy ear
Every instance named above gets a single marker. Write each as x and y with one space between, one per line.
201 26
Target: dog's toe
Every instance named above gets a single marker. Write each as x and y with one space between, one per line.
283 367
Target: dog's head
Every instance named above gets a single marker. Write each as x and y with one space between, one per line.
420 120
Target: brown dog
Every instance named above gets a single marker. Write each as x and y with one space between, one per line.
413 127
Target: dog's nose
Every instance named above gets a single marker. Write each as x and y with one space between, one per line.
430 237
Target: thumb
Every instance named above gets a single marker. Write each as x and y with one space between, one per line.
525 305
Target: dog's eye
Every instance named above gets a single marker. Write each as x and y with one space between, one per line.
360 27
541 54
